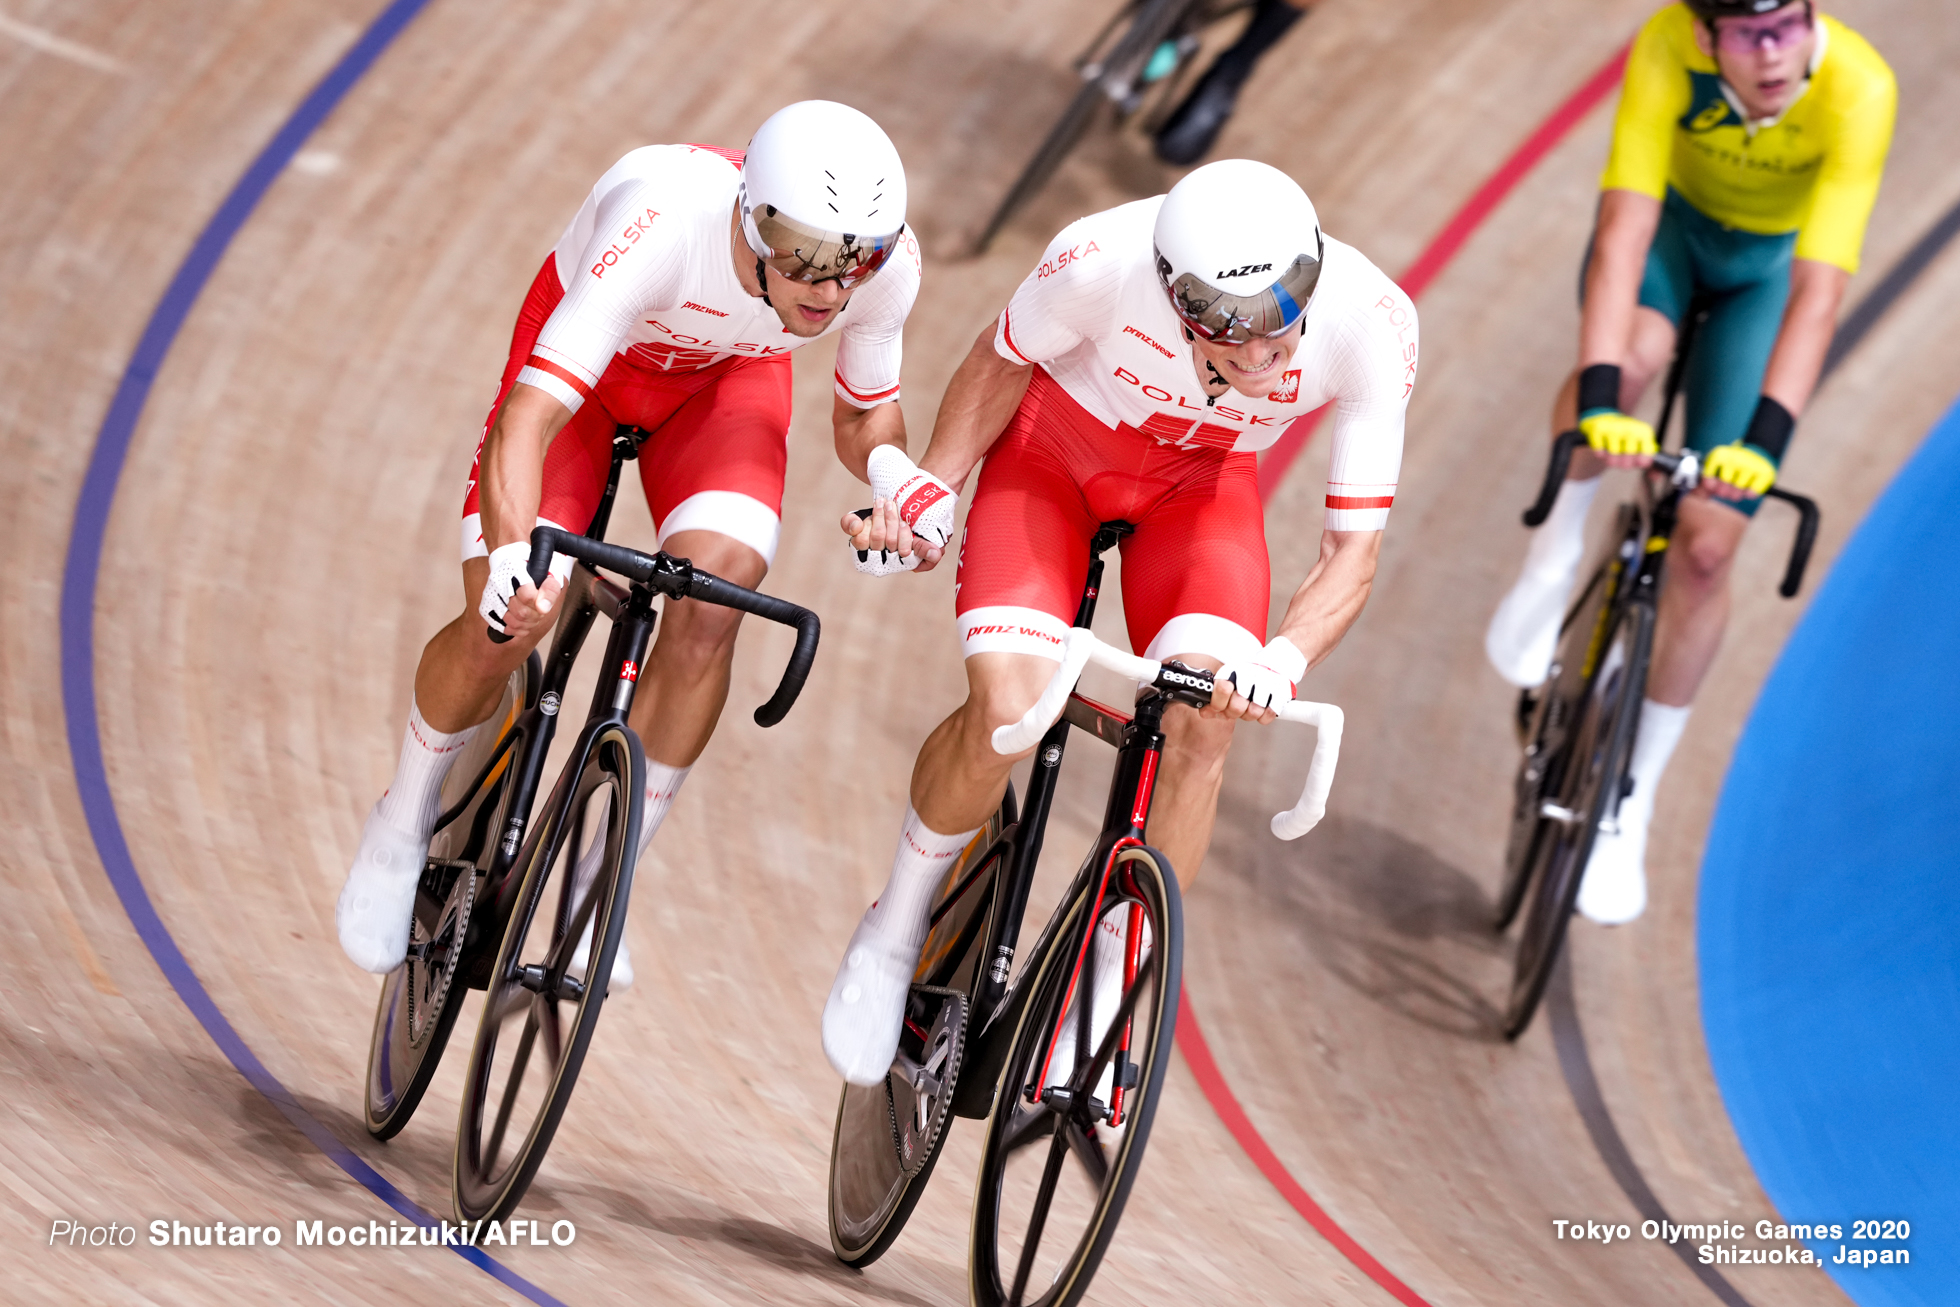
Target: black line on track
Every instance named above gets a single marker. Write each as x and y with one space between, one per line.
1576 1065
1568 1036
1874 306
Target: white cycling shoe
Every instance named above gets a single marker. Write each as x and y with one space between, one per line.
866 1007
377 904
1614 890
621 979
1523 632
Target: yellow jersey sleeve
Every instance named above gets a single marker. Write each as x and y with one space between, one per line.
1653 97
1861 100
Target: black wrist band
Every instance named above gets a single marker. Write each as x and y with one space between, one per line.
1599 387
1770 428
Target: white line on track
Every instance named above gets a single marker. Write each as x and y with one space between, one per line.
48 43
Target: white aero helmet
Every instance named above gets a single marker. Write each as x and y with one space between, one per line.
823 194
1238 251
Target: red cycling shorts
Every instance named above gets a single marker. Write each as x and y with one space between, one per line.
715 460
1196 578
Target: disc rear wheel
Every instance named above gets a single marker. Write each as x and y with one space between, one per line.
888 1136
421 998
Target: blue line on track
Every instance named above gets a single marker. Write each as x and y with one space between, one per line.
78 586
1830 899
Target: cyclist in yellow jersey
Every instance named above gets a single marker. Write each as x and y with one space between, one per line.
1746 156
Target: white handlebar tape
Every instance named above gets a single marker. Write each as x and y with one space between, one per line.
1083 647
1327 721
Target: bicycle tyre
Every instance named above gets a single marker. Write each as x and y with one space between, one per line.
1141 878
1542 769
880 1159
1602 744
420 999
529 976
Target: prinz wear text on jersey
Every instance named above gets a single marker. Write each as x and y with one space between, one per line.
1094 315
648 271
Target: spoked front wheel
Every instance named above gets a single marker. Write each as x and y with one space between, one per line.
1080 1088
540 1009
420 998
1602 740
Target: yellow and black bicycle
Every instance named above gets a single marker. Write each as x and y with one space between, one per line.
1578 727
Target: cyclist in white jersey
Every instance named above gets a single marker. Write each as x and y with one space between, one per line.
1139 367
671 303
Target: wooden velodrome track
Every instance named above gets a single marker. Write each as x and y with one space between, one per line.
283 540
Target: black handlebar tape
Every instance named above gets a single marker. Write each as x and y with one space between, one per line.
1554 476
714 590
1807 518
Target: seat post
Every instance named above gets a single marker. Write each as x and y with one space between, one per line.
626 444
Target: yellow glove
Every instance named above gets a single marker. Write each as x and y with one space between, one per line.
1743 466
1609 432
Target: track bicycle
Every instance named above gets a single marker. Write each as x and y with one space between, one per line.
1067 1077
1578 728
483 919
1138 65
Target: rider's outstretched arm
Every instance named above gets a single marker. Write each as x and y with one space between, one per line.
1809 322
980 401
857 431
1322 609
510 488
1627 222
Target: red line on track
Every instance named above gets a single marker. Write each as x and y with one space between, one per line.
1272 470
1462 224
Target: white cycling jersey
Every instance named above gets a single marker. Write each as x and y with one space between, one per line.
1094 314
647 273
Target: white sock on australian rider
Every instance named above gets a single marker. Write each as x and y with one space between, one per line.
1615 888
1523 633
1654 739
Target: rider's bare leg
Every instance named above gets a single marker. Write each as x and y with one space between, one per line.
685 681
1694 606
958 780
462 673
1185 804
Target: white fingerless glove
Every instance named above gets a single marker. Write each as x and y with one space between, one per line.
1268 678
925 502
881 562
510 570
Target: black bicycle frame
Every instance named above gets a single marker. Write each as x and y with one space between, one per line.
1139 740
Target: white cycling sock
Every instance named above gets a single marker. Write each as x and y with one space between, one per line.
1653 744
1559 543
414 799
918 870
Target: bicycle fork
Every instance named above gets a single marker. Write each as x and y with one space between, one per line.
1123 828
